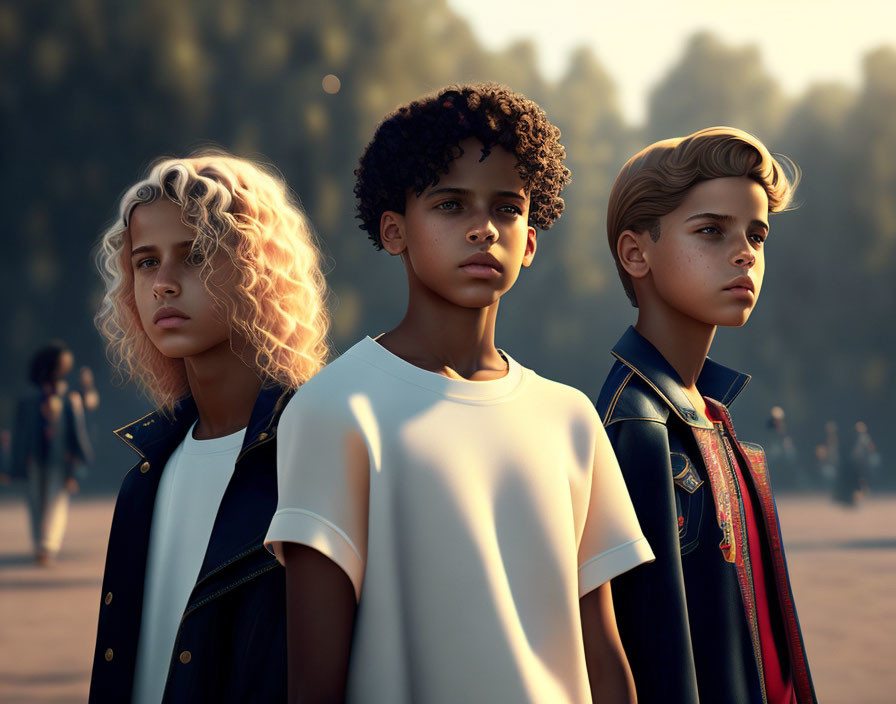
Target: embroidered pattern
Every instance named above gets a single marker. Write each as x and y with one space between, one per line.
724 493
754 459
717 455
799 666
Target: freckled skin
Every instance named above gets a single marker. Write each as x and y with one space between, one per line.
697 258
166 275
704 270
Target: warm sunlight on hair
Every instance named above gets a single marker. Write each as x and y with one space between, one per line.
276 300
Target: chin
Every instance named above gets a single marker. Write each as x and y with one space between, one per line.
473 299
178 349
734 321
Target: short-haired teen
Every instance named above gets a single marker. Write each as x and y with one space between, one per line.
713 618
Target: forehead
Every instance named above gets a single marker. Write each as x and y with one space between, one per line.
158 224
497 171
735 196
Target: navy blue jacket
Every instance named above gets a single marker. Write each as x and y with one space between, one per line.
231 644
688 620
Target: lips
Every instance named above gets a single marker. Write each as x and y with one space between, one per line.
742 282
169 316
482 260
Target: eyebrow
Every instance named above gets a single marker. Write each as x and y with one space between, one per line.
718 217
151 248
447 190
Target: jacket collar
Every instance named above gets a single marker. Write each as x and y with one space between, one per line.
715 381
158 433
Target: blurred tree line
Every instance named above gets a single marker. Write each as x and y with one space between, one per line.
93 90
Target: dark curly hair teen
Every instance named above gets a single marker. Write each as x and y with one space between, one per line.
415 145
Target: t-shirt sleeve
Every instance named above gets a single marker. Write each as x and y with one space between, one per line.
612 541
322 483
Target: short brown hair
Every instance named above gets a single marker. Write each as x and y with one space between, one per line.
655 181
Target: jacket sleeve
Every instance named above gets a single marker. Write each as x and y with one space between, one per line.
650 603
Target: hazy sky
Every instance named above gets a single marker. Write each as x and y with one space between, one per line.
637 41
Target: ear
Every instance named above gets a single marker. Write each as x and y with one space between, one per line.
392 232
630 250
531 246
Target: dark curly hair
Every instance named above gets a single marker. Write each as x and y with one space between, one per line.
44 363
415 145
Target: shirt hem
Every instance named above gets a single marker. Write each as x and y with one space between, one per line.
291 525
611 563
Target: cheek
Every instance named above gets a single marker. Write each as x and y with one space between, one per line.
143 298
759 271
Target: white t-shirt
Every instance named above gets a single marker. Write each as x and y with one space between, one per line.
469 516
190 492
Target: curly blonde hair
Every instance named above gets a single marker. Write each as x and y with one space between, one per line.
277 300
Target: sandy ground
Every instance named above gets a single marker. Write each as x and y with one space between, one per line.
842 562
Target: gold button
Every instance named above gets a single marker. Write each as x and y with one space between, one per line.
185 656
108 599
129 436
108 654
262 436
144 468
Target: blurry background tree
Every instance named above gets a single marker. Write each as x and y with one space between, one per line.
93 90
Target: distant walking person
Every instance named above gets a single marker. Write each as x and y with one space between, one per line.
781 453
50 443
864 457
847 487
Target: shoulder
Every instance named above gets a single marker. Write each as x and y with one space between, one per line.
560 398
626 396
328 393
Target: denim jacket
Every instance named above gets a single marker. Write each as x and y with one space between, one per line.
688 620
231 643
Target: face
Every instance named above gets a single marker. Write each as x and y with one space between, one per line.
709 260
465 238
65 364
176 310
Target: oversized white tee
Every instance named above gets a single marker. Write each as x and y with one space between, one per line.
470 517
187 501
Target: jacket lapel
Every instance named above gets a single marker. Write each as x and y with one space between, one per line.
250 499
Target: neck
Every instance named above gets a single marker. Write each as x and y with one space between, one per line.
448 339
224 389
683 341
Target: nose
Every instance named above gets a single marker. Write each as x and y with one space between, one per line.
742 254
483 231
166 283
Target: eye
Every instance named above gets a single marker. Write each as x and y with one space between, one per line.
448 205
511 209
758 237
709 230
146 263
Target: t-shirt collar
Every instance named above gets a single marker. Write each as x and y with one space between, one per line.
375 354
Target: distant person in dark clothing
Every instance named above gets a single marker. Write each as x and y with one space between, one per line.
865 455
847 487
50 443
781 453
854 471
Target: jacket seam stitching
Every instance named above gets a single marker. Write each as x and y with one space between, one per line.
229 587
615 399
